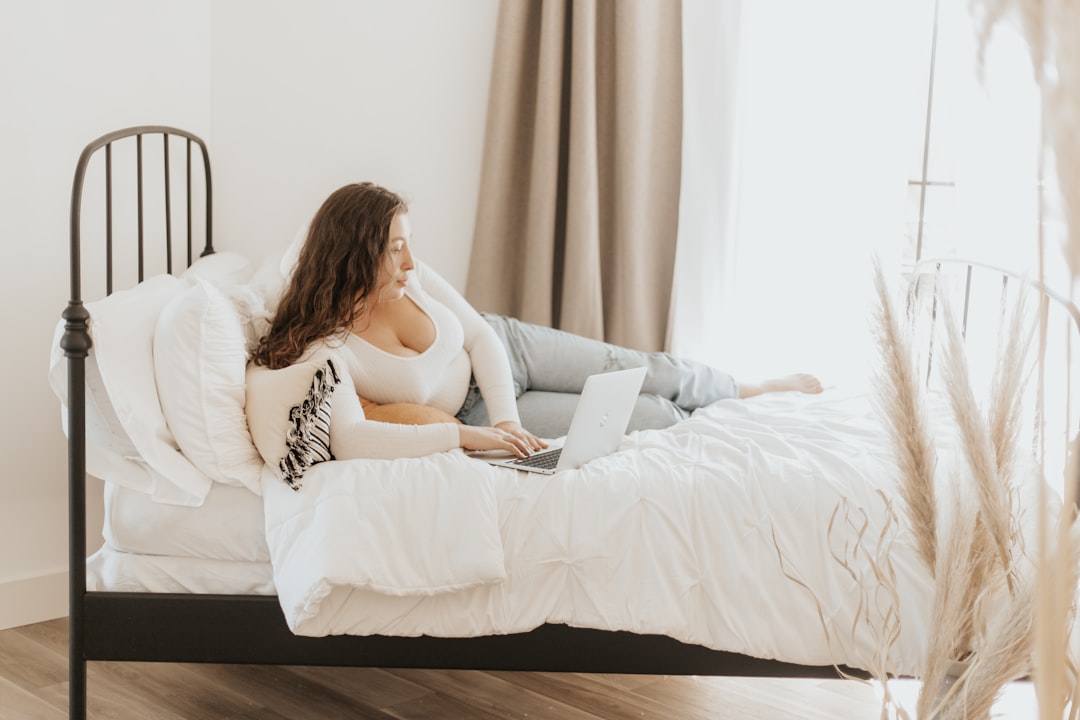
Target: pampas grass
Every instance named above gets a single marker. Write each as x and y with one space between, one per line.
1006 392
952 620
1003 657
1056 583
977 563
1051 28
993 488
906 420
983 609
993 613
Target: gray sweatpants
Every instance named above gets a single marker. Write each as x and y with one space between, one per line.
549 368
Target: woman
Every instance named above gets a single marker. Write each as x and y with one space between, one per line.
405 335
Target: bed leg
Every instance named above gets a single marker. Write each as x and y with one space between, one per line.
76 685
76 345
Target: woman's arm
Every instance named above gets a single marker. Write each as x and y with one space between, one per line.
352 435
486 352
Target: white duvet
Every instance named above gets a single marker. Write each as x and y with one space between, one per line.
727 531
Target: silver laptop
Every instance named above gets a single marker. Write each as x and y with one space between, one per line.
597 428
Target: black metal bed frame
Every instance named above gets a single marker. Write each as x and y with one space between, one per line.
250 629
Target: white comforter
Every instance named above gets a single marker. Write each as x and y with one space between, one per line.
754 526
730 530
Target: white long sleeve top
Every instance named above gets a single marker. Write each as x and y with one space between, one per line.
464 346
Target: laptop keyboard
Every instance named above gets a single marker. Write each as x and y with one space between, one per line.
545 460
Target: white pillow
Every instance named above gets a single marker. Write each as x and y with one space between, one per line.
221 269
110 454
200 357
128 440
292 253
274 272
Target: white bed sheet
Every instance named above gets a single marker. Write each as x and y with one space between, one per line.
111 570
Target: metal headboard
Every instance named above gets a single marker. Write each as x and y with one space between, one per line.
1061 314
922 268
76 342
106 142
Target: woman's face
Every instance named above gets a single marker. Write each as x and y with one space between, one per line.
394 273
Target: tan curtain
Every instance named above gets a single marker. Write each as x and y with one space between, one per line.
578 208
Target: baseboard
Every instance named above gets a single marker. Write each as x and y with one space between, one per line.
34 599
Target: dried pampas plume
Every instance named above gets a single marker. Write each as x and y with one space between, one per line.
1008 386
981 614
1053 612
952 620
1003 658
1050 28
992 488
903 413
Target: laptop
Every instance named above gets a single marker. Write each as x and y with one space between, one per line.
597 428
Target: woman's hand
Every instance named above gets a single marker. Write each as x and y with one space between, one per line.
515 439
531 441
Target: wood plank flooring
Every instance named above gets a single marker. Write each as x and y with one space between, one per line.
33 686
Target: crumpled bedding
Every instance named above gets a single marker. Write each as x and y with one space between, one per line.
736 529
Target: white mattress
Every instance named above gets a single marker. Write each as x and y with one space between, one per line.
150 546
228 526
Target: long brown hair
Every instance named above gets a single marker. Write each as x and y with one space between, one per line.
338 266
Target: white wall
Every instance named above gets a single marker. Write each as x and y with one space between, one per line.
309 97
293 99
69 72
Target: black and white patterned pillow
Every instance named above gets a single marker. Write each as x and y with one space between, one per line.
288 413
307 440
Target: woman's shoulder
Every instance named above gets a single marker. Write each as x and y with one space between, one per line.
315 355
328 348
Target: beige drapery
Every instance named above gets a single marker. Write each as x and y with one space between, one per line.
579 195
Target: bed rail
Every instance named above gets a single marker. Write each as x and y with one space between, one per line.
106 143
76 342
983 297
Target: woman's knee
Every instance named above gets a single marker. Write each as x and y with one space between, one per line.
547 414
652 412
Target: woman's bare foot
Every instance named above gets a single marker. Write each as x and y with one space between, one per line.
799 382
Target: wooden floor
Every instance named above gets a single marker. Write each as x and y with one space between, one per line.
33 685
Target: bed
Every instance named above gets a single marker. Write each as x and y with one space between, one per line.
717 546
